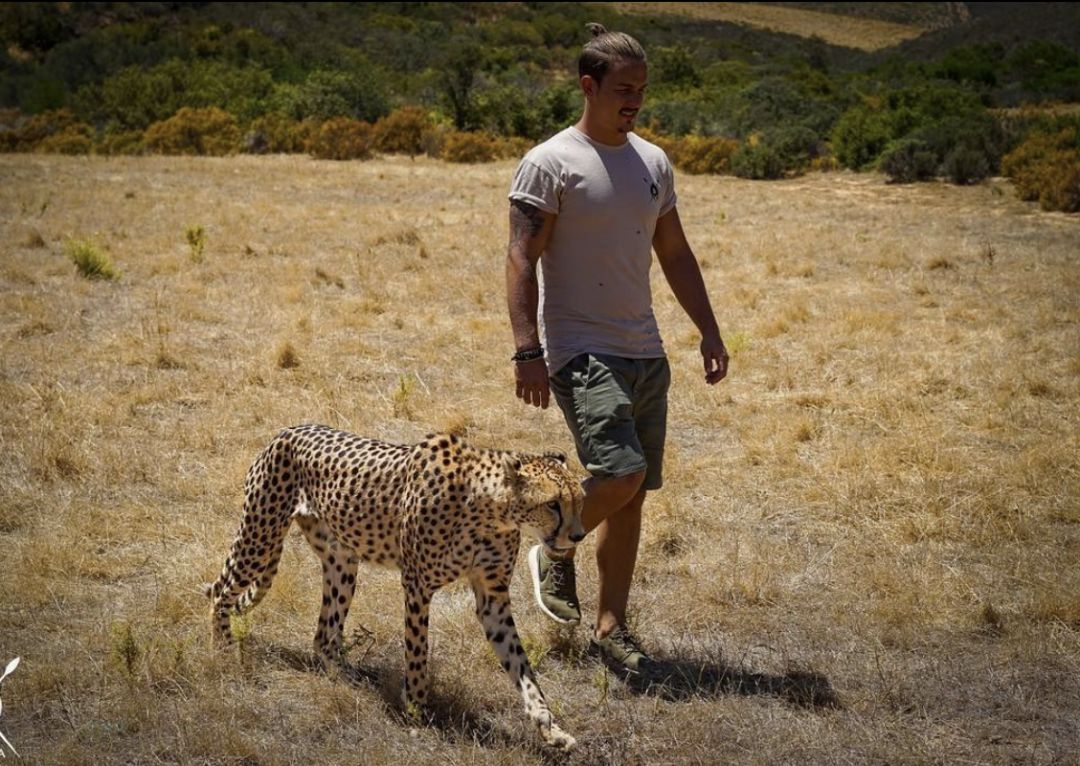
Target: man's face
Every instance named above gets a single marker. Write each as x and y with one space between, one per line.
616 100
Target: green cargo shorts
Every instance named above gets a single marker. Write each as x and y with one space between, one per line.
616 409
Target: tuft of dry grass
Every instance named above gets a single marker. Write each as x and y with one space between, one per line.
287 358
864 551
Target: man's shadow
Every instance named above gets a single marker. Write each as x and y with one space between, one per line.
679 678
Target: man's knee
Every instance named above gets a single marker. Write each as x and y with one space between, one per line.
624 488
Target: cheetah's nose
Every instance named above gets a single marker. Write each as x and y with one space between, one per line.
577 537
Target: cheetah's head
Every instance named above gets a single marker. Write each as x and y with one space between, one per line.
545 499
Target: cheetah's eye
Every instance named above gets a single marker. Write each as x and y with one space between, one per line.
554 505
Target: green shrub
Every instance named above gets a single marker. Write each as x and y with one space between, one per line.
675 66
469 147
907 160
209 131
756 159
859 136
974 64
327 93
129 142
795 146
1046 67
342 138
136 97
91 260
402 131
964 165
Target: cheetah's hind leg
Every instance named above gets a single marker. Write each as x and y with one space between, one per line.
253 559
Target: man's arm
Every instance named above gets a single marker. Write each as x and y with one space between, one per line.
530 229
684 275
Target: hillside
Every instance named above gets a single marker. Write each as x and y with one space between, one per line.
845 31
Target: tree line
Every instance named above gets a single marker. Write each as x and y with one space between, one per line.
473 82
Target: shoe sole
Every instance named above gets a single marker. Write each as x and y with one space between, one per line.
534 570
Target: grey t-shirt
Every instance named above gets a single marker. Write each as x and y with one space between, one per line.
594 290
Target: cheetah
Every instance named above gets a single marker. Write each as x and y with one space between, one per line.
439 510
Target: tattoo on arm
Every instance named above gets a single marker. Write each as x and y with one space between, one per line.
526 221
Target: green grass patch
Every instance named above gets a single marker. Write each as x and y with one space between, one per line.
91 260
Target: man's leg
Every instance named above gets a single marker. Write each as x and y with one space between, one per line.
617 539
613 509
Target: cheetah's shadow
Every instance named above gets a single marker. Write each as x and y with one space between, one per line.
445 713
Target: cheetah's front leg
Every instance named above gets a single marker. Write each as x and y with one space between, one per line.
493 610
339 566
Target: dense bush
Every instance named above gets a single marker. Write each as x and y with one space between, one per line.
276 133
74 139
358 93
1046 168
964 165
976 64
698 154
402 131
860 136
342 138
135 97
758 160
1047 68
25 133
795 146
122 142
944 119
209 131
907 160
470 147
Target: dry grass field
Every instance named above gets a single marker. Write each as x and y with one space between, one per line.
835 29
867 549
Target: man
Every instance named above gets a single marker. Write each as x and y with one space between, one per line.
590 204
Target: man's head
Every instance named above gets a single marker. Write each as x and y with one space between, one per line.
613 75
606 48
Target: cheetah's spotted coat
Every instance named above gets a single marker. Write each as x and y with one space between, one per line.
439 510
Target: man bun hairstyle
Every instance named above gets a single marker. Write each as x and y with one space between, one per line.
604 49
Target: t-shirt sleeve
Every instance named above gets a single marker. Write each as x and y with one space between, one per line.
669 188
537 186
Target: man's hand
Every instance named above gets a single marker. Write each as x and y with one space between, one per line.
532 382
715 357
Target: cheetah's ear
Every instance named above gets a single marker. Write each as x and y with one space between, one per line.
512 470
557 456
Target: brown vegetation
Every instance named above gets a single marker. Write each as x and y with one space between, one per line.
865 550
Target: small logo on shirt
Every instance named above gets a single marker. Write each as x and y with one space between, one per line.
654 190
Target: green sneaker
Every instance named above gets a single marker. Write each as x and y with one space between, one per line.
621 651
554 586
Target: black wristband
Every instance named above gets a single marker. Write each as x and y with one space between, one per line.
528 354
